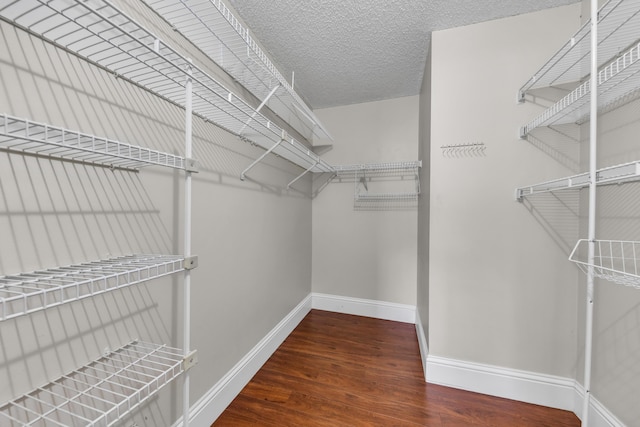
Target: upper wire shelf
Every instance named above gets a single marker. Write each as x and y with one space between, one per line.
612 174
23 135
614 82
211 27
30 292
101 392
618 23
614 260
103 35
377 169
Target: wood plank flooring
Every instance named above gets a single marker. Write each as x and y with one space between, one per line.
342 370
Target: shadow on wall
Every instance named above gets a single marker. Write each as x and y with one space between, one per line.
558 214
561 143
616 371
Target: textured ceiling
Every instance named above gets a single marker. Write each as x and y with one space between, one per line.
352 51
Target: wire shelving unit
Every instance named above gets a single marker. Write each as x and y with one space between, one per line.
99 393
617 24
610 175
39 290
101 34
615 81
213 28
611 38
617 261
23 135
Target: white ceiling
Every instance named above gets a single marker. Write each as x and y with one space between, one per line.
351 51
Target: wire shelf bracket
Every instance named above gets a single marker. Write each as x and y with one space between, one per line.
101 392
614 260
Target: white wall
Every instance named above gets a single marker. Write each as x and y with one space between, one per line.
501 291
366 254
253 238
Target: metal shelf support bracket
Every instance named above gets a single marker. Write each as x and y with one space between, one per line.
190 360
303 173
191 262
265 154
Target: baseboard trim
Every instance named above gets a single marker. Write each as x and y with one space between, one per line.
365 307
540 389
209 407
422 342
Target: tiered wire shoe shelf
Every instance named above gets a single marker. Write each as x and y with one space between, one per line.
101 392
604 55
614 260
103 35
211 26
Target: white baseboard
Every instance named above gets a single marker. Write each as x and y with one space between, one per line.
365 307
422 342
209 407
540 389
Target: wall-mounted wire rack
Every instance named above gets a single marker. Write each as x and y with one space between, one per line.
26 293
99 393
213 28
25 136
617 24
100 33
625 172
617 61
473 149
617 261
363 175
615 81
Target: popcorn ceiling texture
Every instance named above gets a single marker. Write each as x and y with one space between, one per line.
351 51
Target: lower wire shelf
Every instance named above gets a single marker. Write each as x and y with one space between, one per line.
617 261
29 292
100 393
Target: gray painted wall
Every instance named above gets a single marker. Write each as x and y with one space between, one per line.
253 238
367 254
501 291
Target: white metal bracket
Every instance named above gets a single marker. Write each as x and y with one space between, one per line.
522 133
191 165
265 154
190 360
303 173
262 104
520 97
191 262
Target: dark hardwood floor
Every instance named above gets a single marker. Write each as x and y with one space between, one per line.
342 370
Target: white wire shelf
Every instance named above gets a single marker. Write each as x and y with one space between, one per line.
378 169
614 82
100 393
39 290
386 197
103 35
25 136
211 26
614 174
614 260
618 24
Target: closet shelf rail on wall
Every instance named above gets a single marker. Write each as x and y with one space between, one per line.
40 290
100 393
619 49
211 27
617 261
625 172
103 35
25 136
364 174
